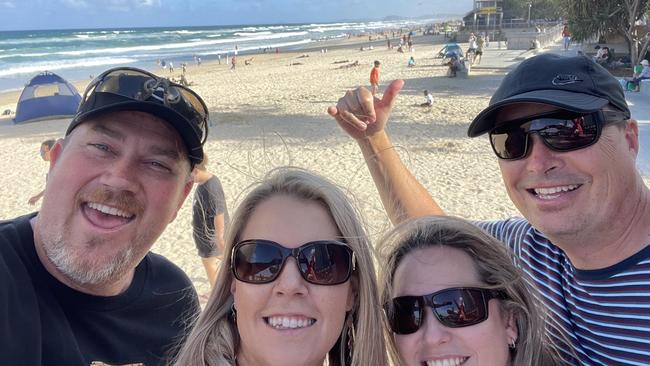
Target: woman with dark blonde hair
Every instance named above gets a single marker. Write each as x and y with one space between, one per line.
297 285
453 296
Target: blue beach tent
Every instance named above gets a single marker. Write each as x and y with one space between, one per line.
47 96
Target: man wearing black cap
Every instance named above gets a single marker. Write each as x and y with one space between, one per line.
78 285
567 147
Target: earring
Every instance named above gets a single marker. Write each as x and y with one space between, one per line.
233 312
350 336
512 344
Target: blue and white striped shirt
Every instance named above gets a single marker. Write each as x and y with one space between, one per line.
605 313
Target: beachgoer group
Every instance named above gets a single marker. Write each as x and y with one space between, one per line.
567 284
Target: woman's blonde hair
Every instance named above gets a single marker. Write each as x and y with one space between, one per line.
495 268
215 340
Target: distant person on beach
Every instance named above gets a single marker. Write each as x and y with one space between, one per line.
428 99
566 37
297 286
78 283
171 67
374 78
643 75
480 43
411 62
455 65
44 151
567 147
219 58
209 218
233 61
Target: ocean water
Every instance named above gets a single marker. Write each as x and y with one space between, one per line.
78 54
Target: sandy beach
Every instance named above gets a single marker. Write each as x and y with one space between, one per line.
273 113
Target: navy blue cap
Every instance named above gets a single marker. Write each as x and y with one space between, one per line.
576 84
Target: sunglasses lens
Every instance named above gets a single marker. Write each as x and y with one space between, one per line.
138 85
560 134
568 134
460 307
257 262
325 263
194 112
509 144
405 316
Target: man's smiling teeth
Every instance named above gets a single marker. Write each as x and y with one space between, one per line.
109 210
548 192
447 362
289 322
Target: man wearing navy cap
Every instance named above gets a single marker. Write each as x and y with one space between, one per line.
78 285
567 147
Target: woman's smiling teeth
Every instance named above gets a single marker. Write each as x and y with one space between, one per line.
289 322
107 210
454 361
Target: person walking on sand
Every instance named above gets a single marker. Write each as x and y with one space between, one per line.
566 37
209 218
233 61
46 146
374 78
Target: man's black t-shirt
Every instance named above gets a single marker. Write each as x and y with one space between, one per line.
44 322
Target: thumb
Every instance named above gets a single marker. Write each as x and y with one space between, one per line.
391 92
332 111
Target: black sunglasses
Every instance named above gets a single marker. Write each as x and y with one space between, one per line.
140 85
560 131
454 307
323 262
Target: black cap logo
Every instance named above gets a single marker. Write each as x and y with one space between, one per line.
565 79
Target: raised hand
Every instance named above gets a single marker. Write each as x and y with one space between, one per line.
360 114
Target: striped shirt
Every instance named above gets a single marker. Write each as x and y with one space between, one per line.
604 313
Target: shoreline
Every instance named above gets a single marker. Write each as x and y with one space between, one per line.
9 97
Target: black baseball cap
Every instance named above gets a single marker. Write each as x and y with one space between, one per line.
131 89
575 84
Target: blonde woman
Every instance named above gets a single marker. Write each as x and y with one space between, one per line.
297 286
453 297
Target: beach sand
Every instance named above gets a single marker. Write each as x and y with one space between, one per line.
271 114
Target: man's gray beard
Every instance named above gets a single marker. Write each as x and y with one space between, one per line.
87 272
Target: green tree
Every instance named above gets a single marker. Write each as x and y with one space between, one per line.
539 9
588 18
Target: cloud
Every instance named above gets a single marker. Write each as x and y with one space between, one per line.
115 5
7 4
76 3
143 3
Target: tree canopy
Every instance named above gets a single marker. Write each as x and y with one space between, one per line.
589 18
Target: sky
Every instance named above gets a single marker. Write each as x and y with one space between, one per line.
66 14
